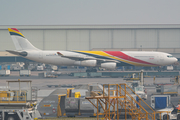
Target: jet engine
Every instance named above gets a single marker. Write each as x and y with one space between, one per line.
89 63
109 65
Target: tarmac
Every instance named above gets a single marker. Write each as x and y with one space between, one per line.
64 79
42 83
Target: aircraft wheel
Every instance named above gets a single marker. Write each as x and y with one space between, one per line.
165 117
94 70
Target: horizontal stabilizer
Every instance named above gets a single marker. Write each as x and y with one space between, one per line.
22 53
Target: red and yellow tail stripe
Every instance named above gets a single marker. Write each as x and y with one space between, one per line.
14 31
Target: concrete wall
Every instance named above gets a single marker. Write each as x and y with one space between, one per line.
89 37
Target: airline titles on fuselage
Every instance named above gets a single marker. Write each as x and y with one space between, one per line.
51 55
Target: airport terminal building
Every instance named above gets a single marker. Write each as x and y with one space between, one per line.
119 37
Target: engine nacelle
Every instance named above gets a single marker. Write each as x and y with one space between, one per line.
89 63
109 65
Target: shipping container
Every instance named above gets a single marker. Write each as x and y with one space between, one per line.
4 72
166 89
72 107
160 101
86 108
79 74
52 106
169 89
24 73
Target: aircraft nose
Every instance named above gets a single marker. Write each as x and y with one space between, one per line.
175 61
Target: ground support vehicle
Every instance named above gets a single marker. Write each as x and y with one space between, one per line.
18 114
166 89
168 113
24 73
139 90
4 72
18 104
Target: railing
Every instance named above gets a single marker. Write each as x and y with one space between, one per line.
128 103
141 112
13 96
116 101
165 116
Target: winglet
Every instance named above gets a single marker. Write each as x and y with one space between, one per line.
60 54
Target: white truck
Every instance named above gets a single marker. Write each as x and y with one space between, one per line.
50 74
168 113
4 72
40 68
170 68
24 73
53 67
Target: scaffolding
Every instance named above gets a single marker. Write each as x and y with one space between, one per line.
116 102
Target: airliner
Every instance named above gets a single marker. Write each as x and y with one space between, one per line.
91 59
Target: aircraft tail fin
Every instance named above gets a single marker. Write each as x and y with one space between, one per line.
20 42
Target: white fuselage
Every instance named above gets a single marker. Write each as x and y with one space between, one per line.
137 58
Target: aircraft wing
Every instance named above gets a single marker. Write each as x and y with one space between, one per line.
21 53
78 58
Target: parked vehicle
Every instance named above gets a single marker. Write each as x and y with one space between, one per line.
24 73
4 72
168 113
40 68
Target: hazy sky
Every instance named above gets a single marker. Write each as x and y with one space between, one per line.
60 12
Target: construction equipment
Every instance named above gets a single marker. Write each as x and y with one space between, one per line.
17 104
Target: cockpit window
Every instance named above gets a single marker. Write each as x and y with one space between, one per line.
169 56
